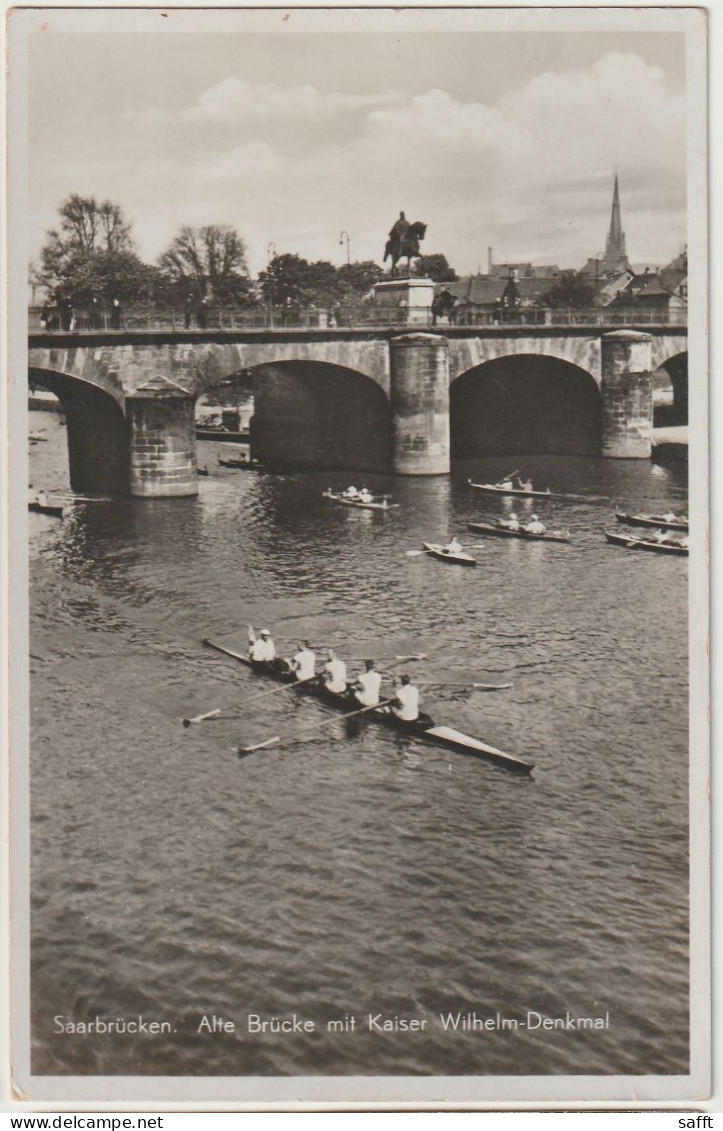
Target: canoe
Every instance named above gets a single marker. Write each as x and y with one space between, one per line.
241 464
633 542
449 738
493 489
202 471
436 550
38 508
681 522
373 506
525 535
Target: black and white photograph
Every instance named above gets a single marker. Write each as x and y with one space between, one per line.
357 434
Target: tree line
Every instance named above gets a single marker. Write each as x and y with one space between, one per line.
91 257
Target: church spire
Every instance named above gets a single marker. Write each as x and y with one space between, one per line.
616 258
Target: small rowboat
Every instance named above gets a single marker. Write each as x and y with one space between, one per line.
680 523
40 508
442 736
437 550
495 489
525 535
241 464
202 471
633 542
375 505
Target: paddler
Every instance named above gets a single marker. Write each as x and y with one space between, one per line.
406 700
303 663
506 485
534 526
351 493
365 495
367 685
334 673
524 484
262 649
511 523
454 546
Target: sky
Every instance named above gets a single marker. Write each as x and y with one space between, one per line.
492 138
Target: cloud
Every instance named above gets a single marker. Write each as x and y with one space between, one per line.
234 100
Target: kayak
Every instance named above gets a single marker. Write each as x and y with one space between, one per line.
495 489
525 535
40 508
436 550
372 506
680 522
633 542
241 464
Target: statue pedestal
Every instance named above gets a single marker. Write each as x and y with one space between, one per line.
405 302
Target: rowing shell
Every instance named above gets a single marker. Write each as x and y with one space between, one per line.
442 736
632 542
435 550
504 532
680 522
385 506
493 489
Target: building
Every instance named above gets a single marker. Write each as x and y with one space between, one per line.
615 260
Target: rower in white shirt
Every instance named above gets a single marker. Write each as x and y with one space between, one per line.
351 493
334 674
454 545
511 523
303 663
534 526
365 495
366 688
262 649
406 704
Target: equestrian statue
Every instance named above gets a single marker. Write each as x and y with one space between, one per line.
403 242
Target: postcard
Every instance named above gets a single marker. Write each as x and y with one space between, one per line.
359 686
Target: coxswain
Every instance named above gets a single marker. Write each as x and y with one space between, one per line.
303 664
511 523
534 526
454 546
366 688
406 700
334 674
262 649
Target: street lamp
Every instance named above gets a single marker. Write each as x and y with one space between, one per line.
270 255
347 237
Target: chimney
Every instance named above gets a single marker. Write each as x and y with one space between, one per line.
490 270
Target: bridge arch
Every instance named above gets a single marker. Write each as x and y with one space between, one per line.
525 403
671 378
313 414
97 431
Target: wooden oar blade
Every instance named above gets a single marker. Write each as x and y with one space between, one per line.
202 718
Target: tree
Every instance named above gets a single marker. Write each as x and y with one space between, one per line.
437 268
208 262
571 291
91 254
292 279
357 279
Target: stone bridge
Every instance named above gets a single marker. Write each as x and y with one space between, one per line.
342 397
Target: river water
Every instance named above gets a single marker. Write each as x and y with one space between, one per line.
355 871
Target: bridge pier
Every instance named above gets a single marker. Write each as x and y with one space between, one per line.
627 395
419 394
162 445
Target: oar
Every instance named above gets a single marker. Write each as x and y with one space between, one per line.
464 683
254 699
416 553
504 477
278 738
